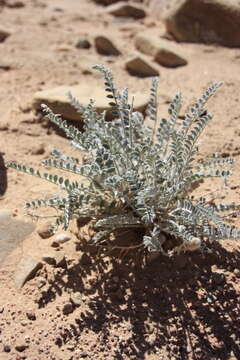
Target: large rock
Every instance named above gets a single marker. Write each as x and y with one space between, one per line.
123 9
138 65
215 21
106 46
58 101
165 52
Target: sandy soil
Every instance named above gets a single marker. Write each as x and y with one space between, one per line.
182 310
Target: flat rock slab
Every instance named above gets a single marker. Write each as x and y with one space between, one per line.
12 232
26 269
59 103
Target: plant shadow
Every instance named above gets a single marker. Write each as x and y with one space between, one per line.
183 306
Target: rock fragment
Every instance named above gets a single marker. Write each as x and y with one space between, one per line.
67 308
26 270
76 298
106 46
45 230
83 43
124 9
140 66
61 238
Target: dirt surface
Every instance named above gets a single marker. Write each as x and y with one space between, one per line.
185 308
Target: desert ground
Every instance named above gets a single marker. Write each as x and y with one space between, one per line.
81 304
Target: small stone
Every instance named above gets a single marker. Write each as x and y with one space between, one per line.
4 34
6 348
26 270
83 43
45 230
38 149
124 9
1 309
76 298
140 66
106 46
61 238
55 244
21 346
4 125
67 308
31 315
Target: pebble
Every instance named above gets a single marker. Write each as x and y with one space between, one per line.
140 66
67 309
6 348
106 46
61 238
83 43
45 230
60 260
76 298
21 346
31 315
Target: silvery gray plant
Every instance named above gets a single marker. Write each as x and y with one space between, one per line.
139 177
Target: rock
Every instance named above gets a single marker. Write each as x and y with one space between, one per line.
124 9
58 101
67 308
83 43
45 230
21 346
26 270
215 21
4 34
38 149
31 315
140 66
165 52
6 348
105 46
61 238
55 244
76 298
